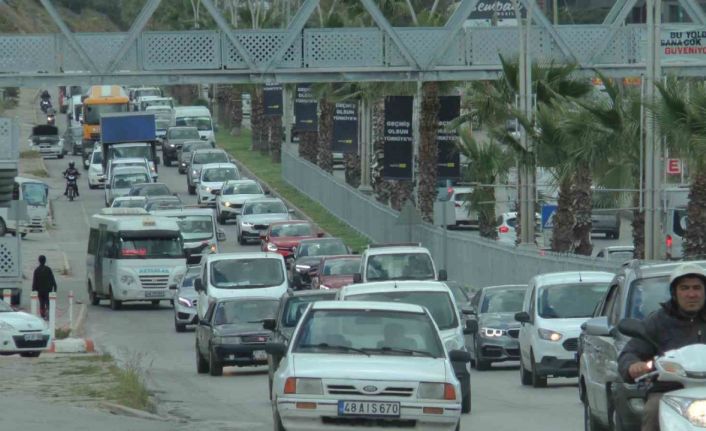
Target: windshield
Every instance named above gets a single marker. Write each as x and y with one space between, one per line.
151 248
34 194
569 301
645 296
163 204
246 273
439 304
195 228
219 175
158 102
502 300
336 267
402 334
250 311
183 134
205 158
323 248
202 123
153 190
97 157
191 274
622 255
265 208
125 181
287 230
94 112
404 266
144 92
125 152
242 189
128 203
295 306
187 148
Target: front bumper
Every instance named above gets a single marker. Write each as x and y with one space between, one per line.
185 315
499 349
206 198
123 293
231 211
95 179
15 342
241 354
551 366
53 151
325 416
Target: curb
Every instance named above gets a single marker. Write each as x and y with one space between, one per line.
72 345
129 411
78 328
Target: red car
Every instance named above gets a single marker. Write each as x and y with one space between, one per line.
336 271
282 237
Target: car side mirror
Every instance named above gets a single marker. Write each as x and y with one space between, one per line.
198 285
443 276
220 235
175 194
320 234
597 326
276 349
355 252
204 322
269 324
459 356
267 191
468 311
357 278
522 317
471 327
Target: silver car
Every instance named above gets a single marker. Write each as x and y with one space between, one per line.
185 300
200 158
232 196
257 214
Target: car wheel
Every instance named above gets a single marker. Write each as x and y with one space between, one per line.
92 187
466 399
214 365
537 380
180 327
95 300
3 227
277 420
192 190
242 240
201 364
220 219
525 376
589 421
30 354
481 365
114 303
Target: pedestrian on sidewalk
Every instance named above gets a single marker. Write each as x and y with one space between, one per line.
43 283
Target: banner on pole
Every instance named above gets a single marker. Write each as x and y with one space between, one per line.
448 157
398 138
305 107
272 100
345 128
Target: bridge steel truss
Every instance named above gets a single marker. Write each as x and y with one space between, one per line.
306 54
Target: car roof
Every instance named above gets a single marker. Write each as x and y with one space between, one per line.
241 181
263 200
126 160
129 198
279 223
619 248
246 298
314 292
129 170
210 150
647 270
246 255
218 165
322 239
398 249
182 127
183 211
366 305
395 286
196 141
143 185
573 277
504 286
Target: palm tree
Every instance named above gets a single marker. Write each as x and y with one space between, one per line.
681 118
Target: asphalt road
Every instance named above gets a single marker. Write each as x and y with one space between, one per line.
238 400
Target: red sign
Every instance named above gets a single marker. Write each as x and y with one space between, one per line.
674 166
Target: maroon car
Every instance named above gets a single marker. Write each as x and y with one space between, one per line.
336 271
282 237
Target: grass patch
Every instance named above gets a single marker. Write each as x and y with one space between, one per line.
29 154
130 389
271 173
92 358
61 333
83 370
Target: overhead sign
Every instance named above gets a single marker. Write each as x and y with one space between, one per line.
685 45
272 100
674 166
548 212
448 158
500 9
305 107
398 138
345 128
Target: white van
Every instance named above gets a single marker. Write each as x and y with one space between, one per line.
198 226
35 194
75 112
199 117
554 308
234 275
133 256
674 221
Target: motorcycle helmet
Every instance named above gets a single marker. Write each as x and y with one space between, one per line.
685 270
71 164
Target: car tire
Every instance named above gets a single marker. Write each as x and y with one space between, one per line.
192 189
201 364
466 399
114 303
525 375
215 367
3 227
30 354
92 187
92 296
242 240
179 327
277 420
589 421
481 365
167 162
537 380
220 219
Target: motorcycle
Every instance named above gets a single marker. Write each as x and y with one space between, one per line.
71 186
683 409
51 119
45 105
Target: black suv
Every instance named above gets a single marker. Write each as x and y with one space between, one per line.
636 291
307 258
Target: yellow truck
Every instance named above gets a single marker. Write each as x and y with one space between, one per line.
99 100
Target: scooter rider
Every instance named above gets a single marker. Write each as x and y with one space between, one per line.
680 322
71 171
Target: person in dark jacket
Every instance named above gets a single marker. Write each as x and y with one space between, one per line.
43 282
679 322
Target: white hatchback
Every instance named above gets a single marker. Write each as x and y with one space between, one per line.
212 177
370 364
554 308
22 333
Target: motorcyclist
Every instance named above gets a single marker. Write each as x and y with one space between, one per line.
71 171
679 322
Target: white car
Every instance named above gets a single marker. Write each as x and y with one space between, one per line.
506 227
96 177
230 200
617 252
211 178
22 333
369 364
461 199
554 308
185 300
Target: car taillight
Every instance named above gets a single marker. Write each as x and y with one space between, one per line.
669 242
290 386
504 229
449 392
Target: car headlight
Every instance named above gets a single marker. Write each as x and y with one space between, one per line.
302 268
693 410
436 391
186 302
195 172
127 279
171 145
6 326
492 332
226 204
271 247
248 224
549 335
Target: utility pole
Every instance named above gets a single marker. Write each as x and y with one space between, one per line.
555 11
365 142
653 144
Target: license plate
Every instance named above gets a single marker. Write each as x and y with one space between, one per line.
369 408
158 294
259 355
33 337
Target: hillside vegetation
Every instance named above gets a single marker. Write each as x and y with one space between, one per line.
28 16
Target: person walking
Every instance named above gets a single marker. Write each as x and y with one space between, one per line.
43 282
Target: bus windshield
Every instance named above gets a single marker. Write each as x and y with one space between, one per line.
34 194
151 248
195 228
94 112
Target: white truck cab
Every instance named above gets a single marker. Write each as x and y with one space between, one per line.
407 261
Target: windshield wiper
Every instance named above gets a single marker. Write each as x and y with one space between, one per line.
336 346
410 351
